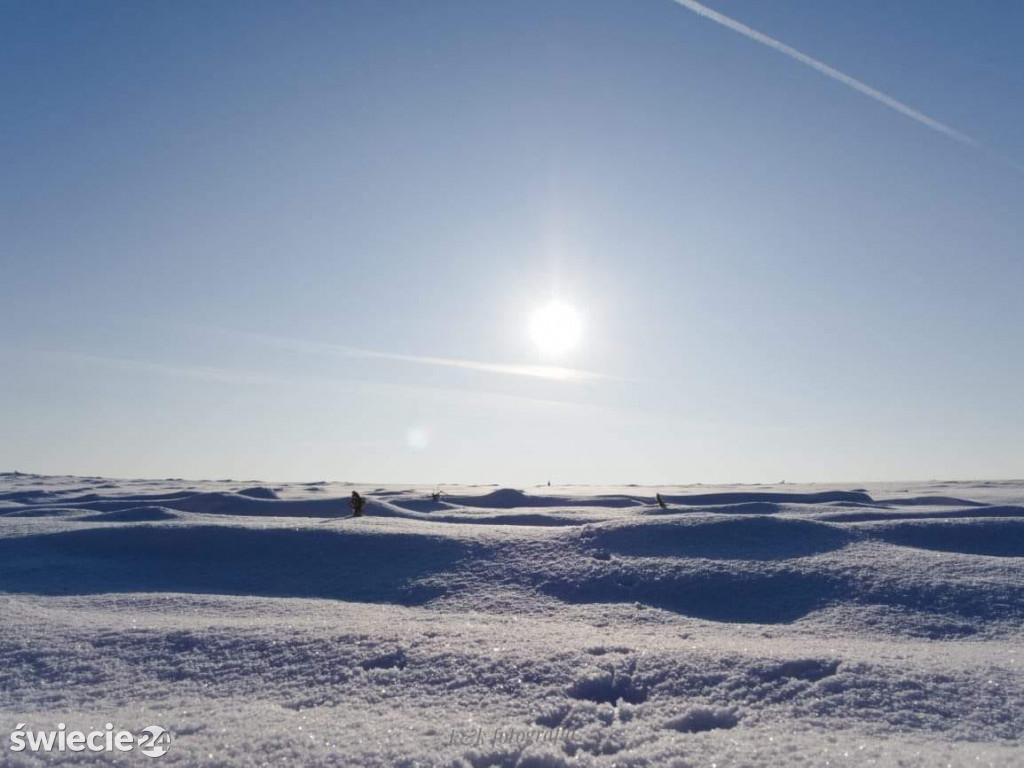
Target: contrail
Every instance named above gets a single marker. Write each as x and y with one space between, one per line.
250 378
540 371
835 74
513 369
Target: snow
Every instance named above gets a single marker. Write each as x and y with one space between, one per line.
552 626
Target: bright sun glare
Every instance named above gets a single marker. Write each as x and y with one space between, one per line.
555 328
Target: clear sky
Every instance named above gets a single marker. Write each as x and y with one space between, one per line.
305 240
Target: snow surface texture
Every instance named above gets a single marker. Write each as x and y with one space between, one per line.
741 626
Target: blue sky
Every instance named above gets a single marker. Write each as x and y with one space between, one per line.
273 240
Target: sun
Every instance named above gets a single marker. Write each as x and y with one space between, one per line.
555 328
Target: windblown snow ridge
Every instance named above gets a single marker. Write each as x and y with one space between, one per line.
721 537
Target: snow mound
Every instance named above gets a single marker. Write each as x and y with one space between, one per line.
528 519
27 497
721 537
224 503
503 498
121 499
741 497
362 566
742 508
509 498
258 492
992 537
972 512
43 511
931 501
758 595
130 515
422 505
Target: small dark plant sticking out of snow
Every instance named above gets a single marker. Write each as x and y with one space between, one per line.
357 503
704 719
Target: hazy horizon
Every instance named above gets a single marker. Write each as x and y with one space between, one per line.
399 482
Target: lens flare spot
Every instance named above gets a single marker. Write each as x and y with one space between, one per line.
418 438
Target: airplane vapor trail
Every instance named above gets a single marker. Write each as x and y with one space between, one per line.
842 77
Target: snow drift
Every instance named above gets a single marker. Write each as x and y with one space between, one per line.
504 627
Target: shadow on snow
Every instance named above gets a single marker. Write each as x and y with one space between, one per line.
230 560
